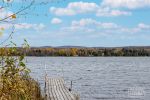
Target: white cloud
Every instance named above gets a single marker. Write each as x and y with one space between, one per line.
131 4
91 27
84 22
140 28
74 8
56 21
5 26
8 1
108 12
143 26
4 13
109 25
83 7
119 12
41 26
94 23
62 11
29 26
20 26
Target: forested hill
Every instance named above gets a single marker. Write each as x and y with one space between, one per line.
83 51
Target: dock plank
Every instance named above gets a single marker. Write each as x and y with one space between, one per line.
53 88
62 92
60 96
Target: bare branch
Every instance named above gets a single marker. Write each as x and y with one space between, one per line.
18 11
10 35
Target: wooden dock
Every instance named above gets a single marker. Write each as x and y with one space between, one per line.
55 89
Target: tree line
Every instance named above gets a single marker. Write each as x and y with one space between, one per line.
87 52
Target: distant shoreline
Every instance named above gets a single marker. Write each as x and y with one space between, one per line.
83 52
92 57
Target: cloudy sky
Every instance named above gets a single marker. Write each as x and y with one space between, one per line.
81 23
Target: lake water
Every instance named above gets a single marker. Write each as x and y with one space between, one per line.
98 78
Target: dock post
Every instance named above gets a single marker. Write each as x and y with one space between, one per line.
70 89
45 87
71 85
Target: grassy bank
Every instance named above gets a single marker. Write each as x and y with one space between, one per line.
20 89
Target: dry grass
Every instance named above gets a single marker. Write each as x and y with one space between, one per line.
20 89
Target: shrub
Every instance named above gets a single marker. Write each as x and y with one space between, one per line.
15 81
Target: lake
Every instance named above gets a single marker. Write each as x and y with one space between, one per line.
98 78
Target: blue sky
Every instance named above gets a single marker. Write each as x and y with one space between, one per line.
105 23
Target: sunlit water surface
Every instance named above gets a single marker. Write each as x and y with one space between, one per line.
98 78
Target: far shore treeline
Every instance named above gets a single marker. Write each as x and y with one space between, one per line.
82 51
